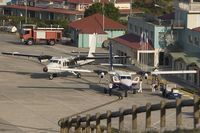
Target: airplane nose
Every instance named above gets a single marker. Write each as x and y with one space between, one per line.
45 69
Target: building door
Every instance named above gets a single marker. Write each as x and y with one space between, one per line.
161 58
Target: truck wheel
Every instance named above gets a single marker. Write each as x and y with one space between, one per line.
30 42
51 42
110 92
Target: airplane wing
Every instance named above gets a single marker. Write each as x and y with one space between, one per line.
173 72
72 70
81 57
39 57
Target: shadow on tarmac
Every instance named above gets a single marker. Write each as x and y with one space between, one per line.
20 126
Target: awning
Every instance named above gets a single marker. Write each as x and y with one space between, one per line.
192 58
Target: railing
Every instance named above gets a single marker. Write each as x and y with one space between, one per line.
83 124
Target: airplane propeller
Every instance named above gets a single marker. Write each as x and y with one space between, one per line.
42 58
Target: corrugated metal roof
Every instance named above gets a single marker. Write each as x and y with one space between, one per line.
188 58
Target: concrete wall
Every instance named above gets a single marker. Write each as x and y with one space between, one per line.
115 33
83 40
139 25
123 5
130 52
4 2
190 40
193 20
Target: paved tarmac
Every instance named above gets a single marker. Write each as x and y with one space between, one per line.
31 103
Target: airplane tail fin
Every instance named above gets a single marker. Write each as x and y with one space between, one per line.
92 45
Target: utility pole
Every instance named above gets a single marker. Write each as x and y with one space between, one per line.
26 13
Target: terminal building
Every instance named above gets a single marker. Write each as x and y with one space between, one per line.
173 40
149 53
187 54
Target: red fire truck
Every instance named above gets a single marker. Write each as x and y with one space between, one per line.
31 34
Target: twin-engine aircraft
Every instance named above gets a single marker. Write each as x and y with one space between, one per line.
123 80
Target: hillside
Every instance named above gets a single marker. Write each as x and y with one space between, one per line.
156 7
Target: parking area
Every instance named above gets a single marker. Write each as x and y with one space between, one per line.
31 103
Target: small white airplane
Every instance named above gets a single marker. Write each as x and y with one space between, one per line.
58 65
123 80
70 64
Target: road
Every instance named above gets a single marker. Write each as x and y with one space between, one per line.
31 103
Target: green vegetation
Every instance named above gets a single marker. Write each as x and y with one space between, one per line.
108 9
155 7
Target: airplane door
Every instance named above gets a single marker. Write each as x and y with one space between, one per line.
60 63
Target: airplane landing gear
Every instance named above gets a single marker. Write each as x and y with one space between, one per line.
78 75
126 93
110 92
51 76
105 90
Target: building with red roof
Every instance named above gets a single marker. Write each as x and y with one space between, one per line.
130 45
102 26
60 9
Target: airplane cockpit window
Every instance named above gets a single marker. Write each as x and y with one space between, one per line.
128 77
54 61
65 63
125 77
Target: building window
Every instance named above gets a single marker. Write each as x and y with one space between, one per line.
140 30
196 41
190 39
131 27
152 35
136 29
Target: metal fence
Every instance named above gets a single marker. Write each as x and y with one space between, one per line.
84 124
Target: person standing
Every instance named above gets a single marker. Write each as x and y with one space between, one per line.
140 85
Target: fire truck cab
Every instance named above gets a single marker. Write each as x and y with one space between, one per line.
31 34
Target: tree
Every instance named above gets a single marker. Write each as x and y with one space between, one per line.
109 10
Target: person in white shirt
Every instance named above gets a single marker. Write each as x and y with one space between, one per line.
140 85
